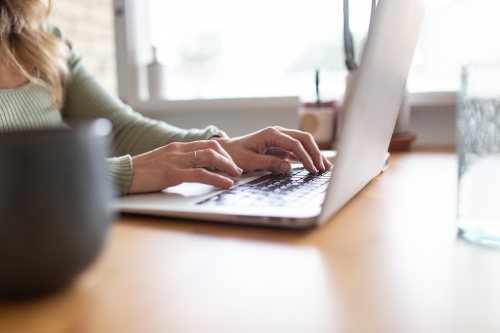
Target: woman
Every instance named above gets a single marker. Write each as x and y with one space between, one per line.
44 83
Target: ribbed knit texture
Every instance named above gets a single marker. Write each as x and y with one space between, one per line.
30 107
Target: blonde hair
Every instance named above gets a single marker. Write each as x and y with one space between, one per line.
28 49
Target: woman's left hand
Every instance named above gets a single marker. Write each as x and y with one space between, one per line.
270 148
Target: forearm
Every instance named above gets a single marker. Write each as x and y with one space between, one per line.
132 133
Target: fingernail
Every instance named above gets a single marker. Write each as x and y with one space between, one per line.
240 170
284 167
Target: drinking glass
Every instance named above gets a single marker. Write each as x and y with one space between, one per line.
478 144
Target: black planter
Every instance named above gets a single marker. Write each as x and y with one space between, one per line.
55 206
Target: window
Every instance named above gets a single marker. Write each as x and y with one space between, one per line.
261 48
455 32
252 48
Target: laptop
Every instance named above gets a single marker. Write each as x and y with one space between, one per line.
300 199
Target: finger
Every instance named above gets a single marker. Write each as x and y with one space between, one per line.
276 138
326 162
268 163
205 144
281 153
309 144
211 158
205 177
292 157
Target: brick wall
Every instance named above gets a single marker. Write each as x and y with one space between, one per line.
90 26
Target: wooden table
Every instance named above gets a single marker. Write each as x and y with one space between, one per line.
390 261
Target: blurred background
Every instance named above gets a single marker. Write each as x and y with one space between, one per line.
90 25
223 48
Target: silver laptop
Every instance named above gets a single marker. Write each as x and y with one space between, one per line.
300 199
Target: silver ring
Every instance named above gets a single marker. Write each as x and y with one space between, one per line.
194 160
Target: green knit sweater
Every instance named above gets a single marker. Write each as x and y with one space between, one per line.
30 107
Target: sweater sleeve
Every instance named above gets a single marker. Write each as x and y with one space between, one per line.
133 134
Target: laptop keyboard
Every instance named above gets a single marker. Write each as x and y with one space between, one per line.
274 190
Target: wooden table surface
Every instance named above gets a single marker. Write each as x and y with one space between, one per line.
390 261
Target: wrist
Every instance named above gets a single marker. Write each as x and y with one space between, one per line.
218 135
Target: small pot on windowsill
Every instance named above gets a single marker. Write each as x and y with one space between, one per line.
402 138
321 121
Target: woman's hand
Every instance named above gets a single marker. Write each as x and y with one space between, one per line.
175 163
269 149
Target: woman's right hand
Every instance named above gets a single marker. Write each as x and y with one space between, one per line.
173 164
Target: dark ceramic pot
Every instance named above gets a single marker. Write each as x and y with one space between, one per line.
55 206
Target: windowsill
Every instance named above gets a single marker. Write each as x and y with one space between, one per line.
435 98
266 104
218 105
432 116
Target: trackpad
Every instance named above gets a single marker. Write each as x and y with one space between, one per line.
188 190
